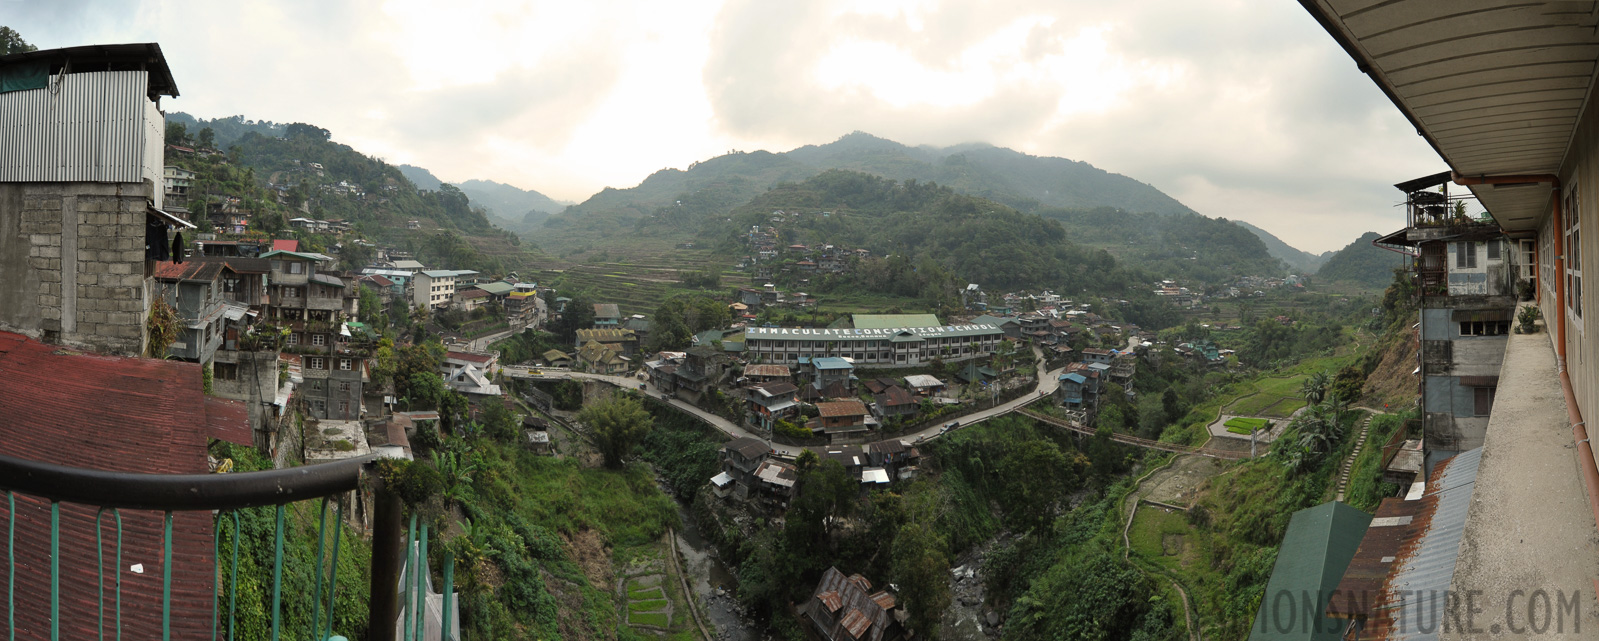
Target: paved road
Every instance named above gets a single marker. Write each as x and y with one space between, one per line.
481 344
1047 382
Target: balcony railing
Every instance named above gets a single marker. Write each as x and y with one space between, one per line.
224 495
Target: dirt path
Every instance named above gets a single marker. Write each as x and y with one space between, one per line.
1131 505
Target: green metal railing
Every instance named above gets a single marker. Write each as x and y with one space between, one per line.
227 495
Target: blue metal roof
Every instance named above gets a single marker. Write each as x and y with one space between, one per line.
831 362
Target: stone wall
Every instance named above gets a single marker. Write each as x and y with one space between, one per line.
72 267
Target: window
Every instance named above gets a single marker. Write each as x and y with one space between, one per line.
294 339
316 363
296 267
1484 328
321 407
344 386
225 371
1482 400
277 265
344 364
319 339
344 407
1493 250
1465 255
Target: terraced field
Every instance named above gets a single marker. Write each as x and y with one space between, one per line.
638 282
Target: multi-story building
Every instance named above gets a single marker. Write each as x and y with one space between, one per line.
81 225
1466 273
885 347
176 182
435 288
194 291
1504 93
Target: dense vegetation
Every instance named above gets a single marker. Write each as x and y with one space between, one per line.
1361 264
1187 247
379 204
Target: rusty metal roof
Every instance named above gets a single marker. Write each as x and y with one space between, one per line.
1410 546
883 600
831 599
841 408
855 623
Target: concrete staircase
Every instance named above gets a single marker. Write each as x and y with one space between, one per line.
1349 463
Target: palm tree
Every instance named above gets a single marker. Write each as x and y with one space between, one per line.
1314 389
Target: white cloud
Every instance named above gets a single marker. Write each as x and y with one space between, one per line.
1240 109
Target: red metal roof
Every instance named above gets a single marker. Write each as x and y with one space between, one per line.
116 414
191 270
286 245
380 281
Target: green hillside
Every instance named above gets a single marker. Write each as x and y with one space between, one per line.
375 197
1186 247
675 204
1361 264
926 241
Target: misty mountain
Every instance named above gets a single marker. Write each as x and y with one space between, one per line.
523 209
508 207
1003 175
1297 259
422 178
1024 182
1361 264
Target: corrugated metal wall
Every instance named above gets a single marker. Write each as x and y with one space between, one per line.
91 127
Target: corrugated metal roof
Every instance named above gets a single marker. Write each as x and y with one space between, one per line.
1315 551
113 414
1495 88
1411 547
93 128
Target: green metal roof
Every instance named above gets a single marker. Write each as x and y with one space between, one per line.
887 321
497 288
1315 552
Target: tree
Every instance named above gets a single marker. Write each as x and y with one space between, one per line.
824 496
921 569
207 138
177 134
1314 389
12 42
1171 405
617 424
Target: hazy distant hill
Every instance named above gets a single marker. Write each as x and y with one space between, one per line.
1004 175
522 208
422 178
1187 247
1297 259
1361 264
508 207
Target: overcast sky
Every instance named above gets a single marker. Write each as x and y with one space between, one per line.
1240 109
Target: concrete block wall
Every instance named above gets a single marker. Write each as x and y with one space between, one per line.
72 264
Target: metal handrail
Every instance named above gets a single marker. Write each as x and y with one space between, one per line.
180 492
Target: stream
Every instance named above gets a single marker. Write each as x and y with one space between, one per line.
712 581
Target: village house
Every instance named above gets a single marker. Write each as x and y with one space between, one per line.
762 373
193 290
844 609
840 419
597 358
740 458
607 316
772 402
896 401
624 340
471 372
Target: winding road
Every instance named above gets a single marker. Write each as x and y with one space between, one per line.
1048 381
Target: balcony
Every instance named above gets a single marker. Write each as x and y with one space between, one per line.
55 513
1529 527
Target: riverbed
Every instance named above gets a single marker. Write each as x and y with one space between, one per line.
712 582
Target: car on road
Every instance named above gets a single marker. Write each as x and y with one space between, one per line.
952 425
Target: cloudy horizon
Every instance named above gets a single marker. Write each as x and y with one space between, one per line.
1242 110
